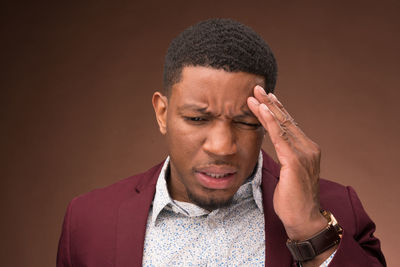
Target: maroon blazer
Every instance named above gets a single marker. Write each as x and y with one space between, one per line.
106 227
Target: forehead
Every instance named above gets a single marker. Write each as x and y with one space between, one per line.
214 86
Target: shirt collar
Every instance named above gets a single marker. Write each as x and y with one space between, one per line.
162 198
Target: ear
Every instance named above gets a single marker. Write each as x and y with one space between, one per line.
160 105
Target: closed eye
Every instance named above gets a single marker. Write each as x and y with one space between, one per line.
249 125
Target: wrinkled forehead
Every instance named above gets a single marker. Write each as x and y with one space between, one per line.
207 84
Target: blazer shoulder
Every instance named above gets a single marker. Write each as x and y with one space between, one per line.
117 192
334 196
327 186
90 225
344 204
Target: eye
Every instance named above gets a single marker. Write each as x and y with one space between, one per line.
195 119
248 125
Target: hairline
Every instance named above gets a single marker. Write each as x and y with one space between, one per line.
168 91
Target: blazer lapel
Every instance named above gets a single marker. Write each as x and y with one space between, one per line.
132 220
133 213
131 229
276 252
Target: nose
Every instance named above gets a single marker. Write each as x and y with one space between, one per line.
221 140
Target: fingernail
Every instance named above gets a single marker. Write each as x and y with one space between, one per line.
261 90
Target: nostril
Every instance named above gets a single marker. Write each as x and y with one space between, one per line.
220 139
220 146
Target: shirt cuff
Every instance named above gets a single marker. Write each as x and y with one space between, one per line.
326 262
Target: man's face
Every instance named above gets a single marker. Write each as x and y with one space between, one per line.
213 138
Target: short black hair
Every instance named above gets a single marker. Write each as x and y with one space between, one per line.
222 44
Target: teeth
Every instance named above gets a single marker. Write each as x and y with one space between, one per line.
217 175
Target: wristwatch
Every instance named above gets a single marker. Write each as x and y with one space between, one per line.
308 249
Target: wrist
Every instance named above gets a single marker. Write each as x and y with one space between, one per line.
306 229
316 247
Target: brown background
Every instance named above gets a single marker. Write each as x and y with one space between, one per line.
77 79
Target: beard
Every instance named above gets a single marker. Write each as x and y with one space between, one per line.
210 203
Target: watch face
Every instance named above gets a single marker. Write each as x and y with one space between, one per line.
335 224
329 217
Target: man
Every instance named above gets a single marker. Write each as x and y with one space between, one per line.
218 200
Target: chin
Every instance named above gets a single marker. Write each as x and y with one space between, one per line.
210 203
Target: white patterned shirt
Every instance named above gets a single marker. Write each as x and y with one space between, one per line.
183 234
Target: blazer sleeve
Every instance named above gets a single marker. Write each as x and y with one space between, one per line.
358 247
64 252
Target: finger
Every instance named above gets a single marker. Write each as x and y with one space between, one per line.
281 139
253 104
264 119
288 122
284 118
262 97
288 144
280 106
303 142
284 142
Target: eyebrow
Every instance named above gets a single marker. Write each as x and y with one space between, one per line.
245 112
203 109
193 107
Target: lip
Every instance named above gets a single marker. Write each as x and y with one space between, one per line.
204 177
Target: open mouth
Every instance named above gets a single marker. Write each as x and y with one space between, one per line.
216 180
215 175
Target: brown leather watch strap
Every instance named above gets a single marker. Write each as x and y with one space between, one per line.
320 242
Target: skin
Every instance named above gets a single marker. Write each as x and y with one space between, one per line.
296 196
210 121
208 125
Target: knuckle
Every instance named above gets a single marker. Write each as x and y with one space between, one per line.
268 100
317 147
317 150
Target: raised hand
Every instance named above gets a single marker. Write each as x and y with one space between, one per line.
296 197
